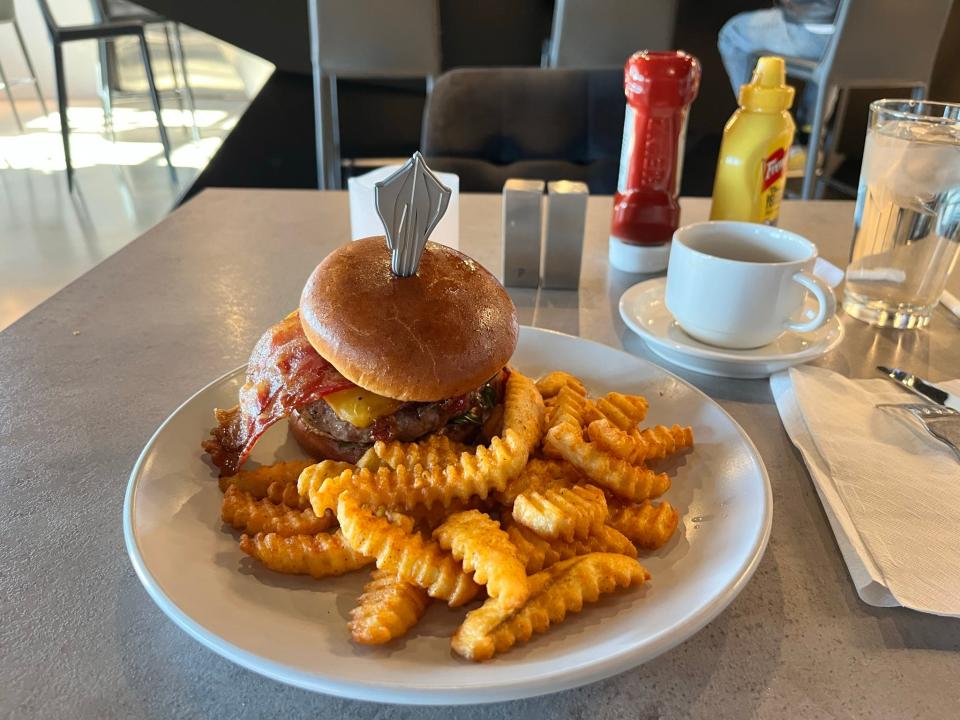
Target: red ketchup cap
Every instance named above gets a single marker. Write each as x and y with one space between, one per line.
662 79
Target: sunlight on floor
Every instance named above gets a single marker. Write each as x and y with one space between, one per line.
50 236
43 151
90 119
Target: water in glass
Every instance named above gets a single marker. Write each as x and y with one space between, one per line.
907 220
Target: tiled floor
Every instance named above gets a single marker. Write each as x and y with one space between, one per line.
49 236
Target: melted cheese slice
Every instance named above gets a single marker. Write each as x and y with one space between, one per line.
360 407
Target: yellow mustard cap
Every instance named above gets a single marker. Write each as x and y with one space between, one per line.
767 90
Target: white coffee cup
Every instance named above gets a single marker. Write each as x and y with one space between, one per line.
740 285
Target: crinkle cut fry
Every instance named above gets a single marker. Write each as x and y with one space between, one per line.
636 446
624 411
410 556
321 555
648 525
485 550
535 552
561 589
630 482
538 553
257 481
663 441
387 609
539 475
244 512
432 517
286 493
474 474
568 406
551 383
436 451
313 475
404 490
563 513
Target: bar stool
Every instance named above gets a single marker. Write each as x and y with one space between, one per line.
875 44
60 34
8 14
124 10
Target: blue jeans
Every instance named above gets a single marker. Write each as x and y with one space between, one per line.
746 36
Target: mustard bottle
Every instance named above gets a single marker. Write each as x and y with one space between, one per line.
751 169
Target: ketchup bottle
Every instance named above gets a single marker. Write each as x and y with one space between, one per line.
659 87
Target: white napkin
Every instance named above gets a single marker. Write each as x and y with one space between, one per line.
890 491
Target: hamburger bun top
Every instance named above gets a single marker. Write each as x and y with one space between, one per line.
437 334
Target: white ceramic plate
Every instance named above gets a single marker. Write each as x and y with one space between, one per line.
293 629
644 311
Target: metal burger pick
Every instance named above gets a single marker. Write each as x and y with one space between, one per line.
410 203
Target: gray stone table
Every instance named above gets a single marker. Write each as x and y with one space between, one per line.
86 378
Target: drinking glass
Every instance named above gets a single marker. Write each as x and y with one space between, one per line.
907 221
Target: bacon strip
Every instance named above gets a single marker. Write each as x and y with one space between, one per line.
284 373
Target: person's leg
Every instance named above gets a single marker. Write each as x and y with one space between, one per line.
746 35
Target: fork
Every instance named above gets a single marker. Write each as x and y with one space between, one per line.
940 422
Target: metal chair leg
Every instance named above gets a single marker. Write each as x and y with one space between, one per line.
832 138
62 103
336 164
816 138
155 99
33 72
323 131
106 90
13 104
173 66
182 60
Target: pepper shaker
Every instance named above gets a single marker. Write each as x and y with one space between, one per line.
522 210
563 246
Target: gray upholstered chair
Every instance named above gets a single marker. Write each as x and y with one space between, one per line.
488 125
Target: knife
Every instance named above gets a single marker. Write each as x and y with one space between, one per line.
920 387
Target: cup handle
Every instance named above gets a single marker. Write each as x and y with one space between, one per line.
826 302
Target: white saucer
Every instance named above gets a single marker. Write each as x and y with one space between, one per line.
643 309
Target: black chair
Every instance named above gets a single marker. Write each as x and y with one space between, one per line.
488 125
106 29
109 72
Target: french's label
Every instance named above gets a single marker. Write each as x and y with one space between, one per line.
773 167
773 177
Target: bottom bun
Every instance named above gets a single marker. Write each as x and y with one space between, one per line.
321 446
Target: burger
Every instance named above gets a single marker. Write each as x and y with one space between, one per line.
372 356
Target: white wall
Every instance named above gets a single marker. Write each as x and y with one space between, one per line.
79 58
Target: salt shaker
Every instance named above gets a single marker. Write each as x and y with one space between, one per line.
522 211
563 246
